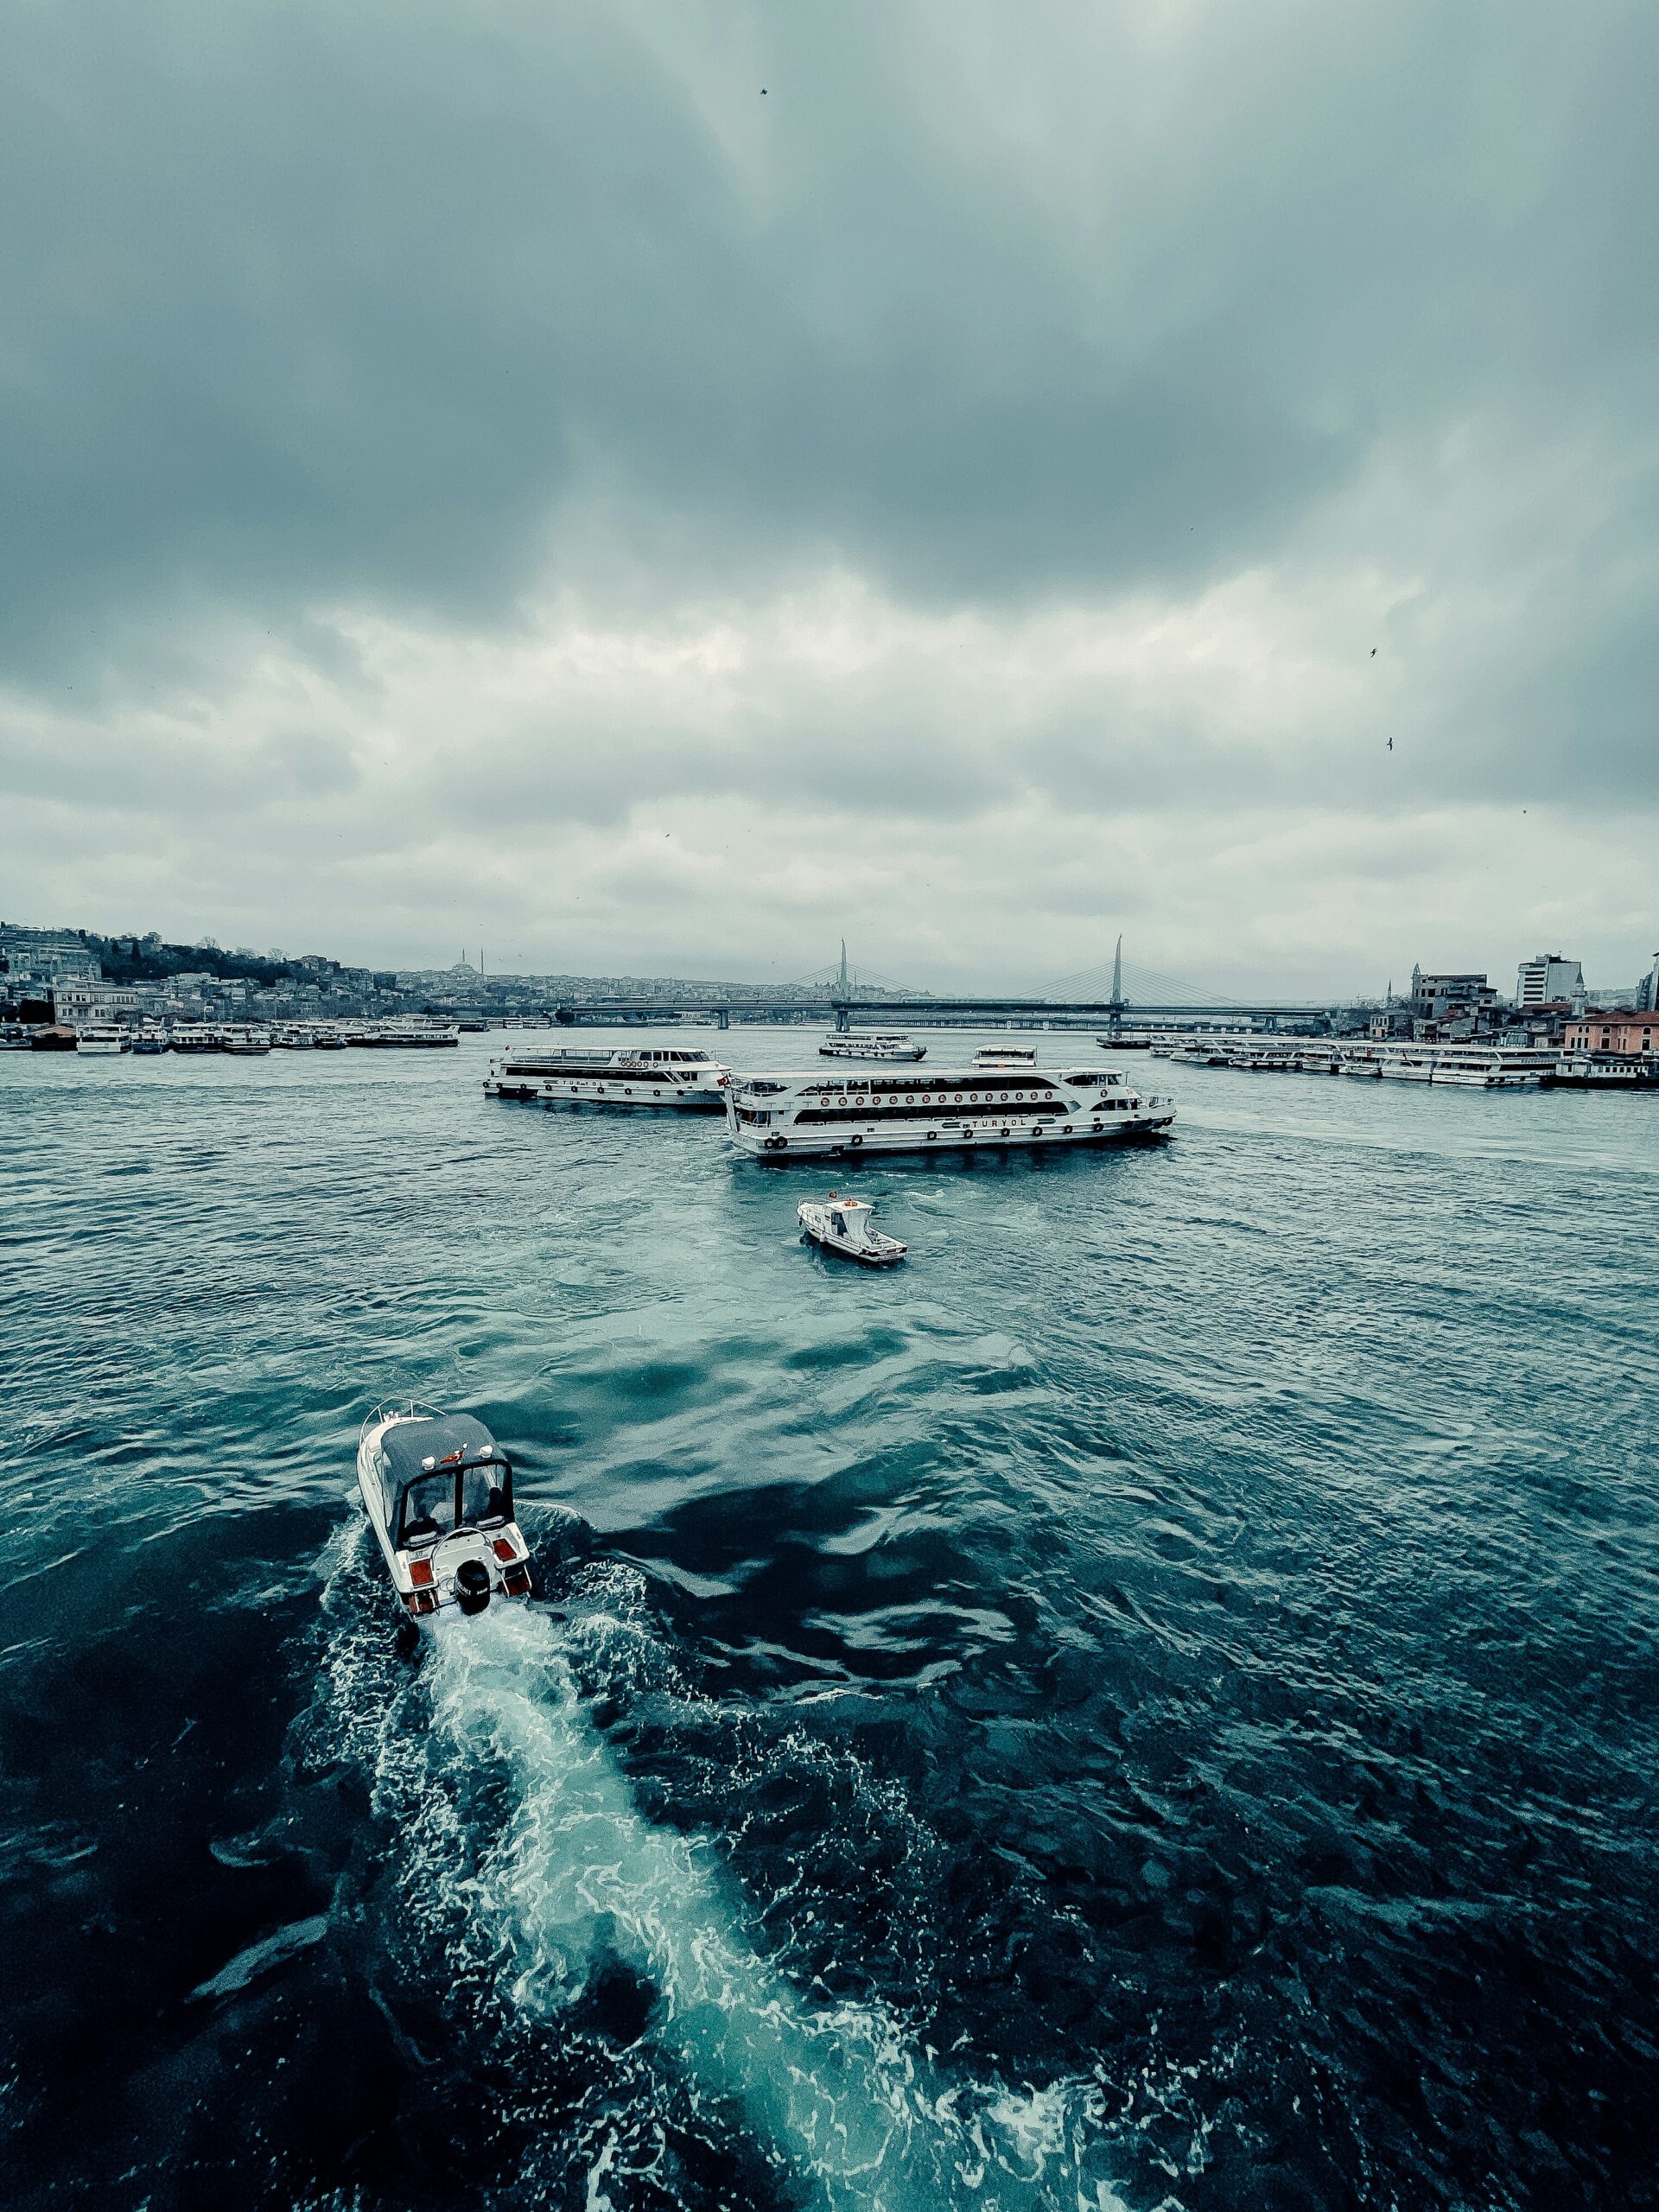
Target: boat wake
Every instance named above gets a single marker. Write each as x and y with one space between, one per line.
618 1962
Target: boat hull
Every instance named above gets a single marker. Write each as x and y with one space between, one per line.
774 1148
632 1097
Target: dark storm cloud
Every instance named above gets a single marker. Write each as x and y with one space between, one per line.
1014 432
400 302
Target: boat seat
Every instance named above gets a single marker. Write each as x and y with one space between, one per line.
419 1531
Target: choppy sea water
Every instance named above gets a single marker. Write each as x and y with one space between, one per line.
1154 1704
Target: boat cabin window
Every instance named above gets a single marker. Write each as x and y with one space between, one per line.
435 1505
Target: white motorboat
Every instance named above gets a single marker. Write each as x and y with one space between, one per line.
781 1117
438 1492
842 1225
875 1045
685 1080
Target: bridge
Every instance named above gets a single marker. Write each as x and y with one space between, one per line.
1114 995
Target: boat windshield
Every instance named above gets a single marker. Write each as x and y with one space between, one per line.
437 1504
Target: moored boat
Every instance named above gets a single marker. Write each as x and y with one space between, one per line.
844 1226
438 1492
873 1045
1604 1072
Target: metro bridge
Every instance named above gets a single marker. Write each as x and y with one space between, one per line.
1096 996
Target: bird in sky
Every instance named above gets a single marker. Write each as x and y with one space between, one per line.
1373 653
1390 745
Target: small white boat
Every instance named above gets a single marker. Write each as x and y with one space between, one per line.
438 1492
842 1225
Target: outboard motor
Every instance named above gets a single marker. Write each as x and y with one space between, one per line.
471 1585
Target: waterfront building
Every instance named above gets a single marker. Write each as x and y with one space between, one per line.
1617 1029
79 1004
1545 978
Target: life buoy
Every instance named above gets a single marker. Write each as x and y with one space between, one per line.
855 1141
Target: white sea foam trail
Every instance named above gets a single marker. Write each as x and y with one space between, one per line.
580 1876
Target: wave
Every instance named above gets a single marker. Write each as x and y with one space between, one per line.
525 1860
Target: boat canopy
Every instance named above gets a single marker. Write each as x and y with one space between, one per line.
442 1473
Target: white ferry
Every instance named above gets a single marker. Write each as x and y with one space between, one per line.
402 1036
875 1045
1407 1067
1493 1067
1604 1072
804 1116
100 1037
673 1076
1005 1056
1198 1052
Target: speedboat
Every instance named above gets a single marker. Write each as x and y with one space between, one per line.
842 1225
438 1492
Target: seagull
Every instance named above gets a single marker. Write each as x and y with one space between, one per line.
1373 653
1390 745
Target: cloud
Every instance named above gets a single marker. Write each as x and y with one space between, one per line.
441 438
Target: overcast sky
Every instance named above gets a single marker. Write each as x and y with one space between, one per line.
655 489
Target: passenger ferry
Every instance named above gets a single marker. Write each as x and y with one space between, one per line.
402 1036
1199 1052
673 1076
1604 1072
1493 1067
1005 1056
878 1045
100 1037
805 1116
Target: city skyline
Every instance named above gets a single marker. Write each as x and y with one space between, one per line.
1536 974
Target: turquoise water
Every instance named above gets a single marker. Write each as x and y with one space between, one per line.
1155 1702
